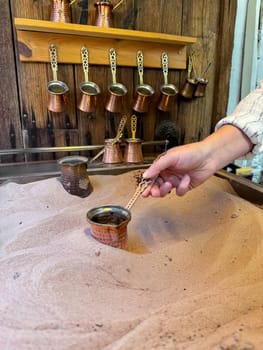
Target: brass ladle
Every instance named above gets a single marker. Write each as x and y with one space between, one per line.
142 186
145 183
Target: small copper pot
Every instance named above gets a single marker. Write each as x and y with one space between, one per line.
114 101
142 100
112 152
144 92
88 98
202 83
57 90
167 96
133 151
168 91
57 96
108 225
115 98
189 88
60 11
201 86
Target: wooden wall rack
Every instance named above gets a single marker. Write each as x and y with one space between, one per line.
35 36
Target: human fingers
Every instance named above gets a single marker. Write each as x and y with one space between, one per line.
153 187
160 188
184 185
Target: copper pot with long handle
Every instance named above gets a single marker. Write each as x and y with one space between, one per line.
202 83
133 147
109 223
190 84
144 92
111 151
116 91
89 90
57 90
168 91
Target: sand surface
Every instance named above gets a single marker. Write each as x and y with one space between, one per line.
192 277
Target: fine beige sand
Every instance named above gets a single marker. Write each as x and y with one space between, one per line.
192 277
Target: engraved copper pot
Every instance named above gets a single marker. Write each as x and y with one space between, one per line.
144 92
133 151
168 91
60 11
112 152
74 177
116 91
108 225
88 99
57 90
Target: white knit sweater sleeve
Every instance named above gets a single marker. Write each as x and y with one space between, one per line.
248 116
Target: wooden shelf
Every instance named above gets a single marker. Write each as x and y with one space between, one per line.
35 36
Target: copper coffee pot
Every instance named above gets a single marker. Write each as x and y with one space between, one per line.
168 91
111 151
201 83
190 84
74 176
108 223
143 91
133 151
89 90
114 101
60 11
133 148
201 86
104 9
57 90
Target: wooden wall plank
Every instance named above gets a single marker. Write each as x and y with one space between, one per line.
9 106
195 115
76 30
33 47
224 57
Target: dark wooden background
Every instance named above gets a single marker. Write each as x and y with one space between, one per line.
26 122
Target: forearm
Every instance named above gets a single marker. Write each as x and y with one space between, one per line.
225 145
